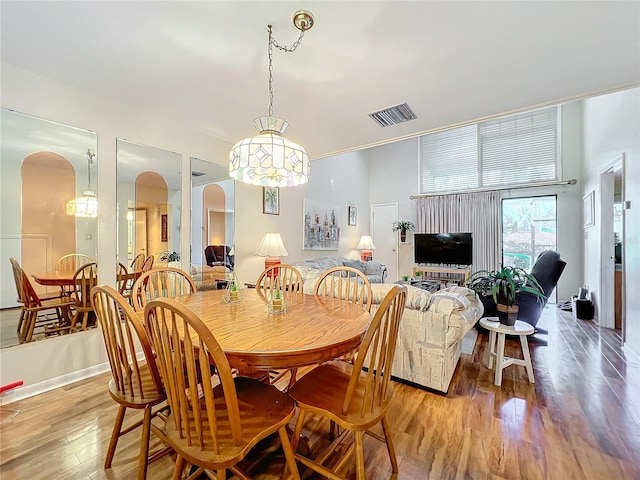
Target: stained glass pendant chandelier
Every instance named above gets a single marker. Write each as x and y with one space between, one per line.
269 159
87 204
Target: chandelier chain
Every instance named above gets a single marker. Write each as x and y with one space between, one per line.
89 162
284 48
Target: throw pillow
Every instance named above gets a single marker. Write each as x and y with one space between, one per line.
357 264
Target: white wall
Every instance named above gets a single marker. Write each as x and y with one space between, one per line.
342 180
51 361
394 178
611 127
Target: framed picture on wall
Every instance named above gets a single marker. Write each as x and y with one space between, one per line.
353 216
163 227
588 209
271 200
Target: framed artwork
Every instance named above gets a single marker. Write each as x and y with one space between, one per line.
353 216
588 209
271 200
164 227
321 229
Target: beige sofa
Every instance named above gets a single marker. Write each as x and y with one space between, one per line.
431 330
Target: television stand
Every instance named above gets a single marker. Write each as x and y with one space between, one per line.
458 275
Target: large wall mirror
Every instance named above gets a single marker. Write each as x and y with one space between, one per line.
212 224
48 180
149 204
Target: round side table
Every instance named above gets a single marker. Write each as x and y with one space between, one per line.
497 333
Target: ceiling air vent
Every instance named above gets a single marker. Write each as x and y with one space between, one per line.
196 174
393 115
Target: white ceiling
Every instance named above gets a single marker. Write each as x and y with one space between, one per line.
204 64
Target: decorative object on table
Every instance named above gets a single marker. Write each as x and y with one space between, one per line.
403 226
234 292
277 303
353 216
418 275
268 158
270 200
272 249
321 230
405 278
504 285
366 247
87 204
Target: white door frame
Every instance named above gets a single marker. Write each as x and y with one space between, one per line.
607 248
390 274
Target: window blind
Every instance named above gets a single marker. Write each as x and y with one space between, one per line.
507 151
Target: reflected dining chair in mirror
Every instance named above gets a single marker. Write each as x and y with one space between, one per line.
347 283
71 263
137 262
134 383
52 315
85 278
160 282
355 396
229 417
147 264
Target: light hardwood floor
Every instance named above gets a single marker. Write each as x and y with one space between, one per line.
579 420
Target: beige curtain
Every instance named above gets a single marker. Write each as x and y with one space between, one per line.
478 213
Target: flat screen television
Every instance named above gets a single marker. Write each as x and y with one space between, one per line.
443 248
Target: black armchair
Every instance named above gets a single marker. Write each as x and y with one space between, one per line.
547 270
218 255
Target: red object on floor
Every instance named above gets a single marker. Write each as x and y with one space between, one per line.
11 386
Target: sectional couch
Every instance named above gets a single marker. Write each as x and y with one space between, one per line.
431 330
376 272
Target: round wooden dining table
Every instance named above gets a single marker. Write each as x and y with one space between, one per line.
311 330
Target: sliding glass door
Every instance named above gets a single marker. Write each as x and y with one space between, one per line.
528 228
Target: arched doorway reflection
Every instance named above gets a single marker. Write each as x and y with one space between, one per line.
153 215
48 233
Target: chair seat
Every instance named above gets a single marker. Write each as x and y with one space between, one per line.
263 410
135 398
334 378
52 303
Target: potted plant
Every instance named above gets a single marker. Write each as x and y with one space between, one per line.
276 300
404 226
503 286
233 292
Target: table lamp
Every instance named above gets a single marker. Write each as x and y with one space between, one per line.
366 246
272 248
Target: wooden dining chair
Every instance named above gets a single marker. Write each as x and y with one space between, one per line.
135 383
160 282
212 427
355 396
347 283
85 278
288 279
137 262
53 315
71 263
147 264
280 277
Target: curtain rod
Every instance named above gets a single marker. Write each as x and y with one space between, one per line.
573 181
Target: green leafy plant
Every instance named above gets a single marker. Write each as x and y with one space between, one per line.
277 295
504 284
404 226
169 256
233 287
405 278
418 274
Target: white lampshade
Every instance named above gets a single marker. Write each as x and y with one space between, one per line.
272 246
366 243
269 159
84 206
